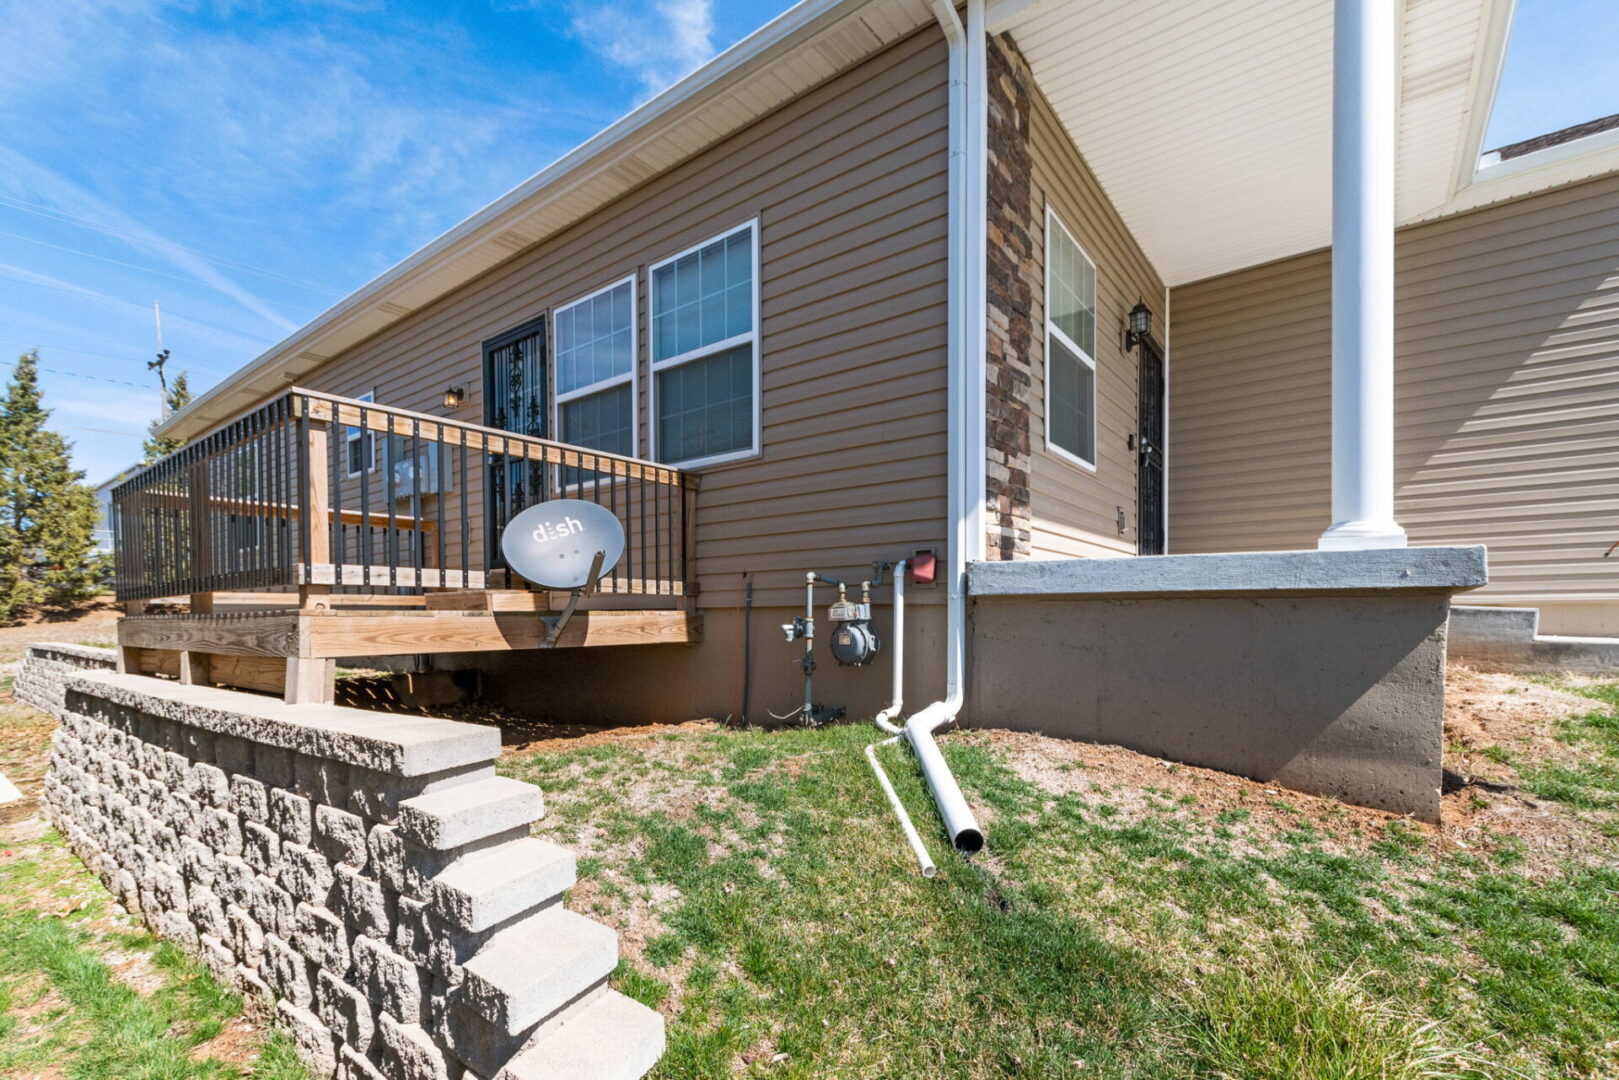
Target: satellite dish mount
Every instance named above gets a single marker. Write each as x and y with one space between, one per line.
563 544
555 632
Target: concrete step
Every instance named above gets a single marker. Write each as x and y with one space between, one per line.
469 812
531 969
485 889
614 1038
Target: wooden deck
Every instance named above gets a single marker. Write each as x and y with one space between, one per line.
295 652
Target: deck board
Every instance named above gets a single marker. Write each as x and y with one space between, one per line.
397 633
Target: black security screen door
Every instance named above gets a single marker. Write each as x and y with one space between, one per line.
514 367
1151 428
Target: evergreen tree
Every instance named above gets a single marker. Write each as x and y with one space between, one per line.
177 397
47 512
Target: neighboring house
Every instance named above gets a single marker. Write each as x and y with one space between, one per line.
1049 286
103 534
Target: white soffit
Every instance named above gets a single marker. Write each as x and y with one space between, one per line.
810 43
1209 122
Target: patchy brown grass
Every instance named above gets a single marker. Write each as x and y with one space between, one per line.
94 622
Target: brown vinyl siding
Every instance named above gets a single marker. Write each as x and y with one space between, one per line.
1507 393
848 185
1075 511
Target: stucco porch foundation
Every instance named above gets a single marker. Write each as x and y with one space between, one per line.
1322 671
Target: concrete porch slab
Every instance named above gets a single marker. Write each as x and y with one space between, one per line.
1274 573
1509 639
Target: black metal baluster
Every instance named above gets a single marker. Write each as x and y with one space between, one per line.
386 452
365 498
416 500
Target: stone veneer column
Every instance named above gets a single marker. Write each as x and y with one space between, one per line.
1014 274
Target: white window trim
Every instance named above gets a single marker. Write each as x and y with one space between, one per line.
752 336
352 434
559 399
1054 331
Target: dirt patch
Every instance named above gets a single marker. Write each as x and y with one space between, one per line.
1139 785
25 746
1490 720
519 735
1496 725
239 1044
92 623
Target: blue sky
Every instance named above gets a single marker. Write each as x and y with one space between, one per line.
246 164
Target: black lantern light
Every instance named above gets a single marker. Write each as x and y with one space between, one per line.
454 396
1140 326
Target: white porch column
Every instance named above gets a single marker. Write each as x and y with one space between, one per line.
1365 65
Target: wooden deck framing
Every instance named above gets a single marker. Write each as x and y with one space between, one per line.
295 652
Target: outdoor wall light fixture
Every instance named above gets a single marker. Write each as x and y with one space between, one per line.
454 396
1140 326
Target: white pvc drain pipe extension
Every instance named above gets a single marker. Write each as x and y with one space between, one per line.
885 720
911 836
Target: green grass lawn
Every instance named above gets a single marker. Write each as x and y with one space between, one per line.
1130 918
1114 928
85 991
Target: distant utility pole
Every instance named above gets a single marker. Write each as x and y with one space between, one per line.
157 365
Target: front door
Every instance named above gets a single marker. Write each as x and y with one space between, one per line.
515 399
1151 426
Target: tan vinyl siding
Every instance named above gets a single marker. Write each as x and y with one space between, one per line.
1075 511
848 185
1507 397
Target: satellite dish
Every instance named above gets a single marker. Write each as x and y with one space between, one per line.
553 543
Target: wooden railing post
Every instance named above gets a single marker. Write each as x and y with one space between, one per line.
200 523
314 515
688 494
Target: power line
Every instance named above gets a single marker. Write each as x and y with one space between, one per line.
71 291
64 218
33 343
80 374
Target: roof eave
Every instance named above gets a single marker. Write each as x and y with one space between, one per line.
264 374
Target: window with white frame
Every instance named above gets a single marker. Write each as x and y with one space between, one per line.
595 370
361 444
705 351
1070 346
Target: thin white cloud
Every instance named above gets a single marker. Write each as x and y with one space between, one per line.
117 408
658 47
27 179
143 312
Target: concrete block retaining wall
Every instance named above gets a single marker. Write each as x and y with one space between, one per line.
49 663
368 877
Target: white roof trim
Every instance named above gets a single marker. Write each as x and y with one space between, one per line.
826 35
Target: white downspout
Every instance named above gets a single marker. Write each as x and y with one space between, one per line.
969 110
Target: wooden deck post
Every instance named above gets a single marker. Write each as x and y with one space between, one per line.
310 681
194 668
317 500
